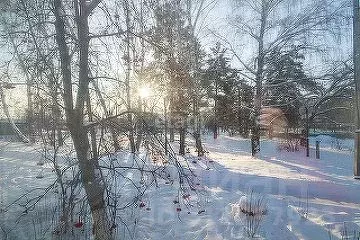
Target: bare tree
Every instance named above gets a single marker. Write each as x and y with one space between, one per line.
269 25
66 54
90 173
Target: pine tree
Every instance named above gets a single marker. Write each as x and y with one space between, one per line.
173 50
231 96
286 82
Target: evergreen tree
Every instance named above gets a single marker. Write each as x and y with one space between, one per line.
286 82
177 52
231 96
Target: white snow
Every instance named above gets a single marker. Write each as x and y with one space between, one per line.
304 198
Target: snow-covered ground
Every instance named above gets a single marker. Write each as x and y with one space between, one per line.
305 198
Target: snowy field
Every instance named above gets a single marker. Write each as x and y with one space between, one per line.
300 198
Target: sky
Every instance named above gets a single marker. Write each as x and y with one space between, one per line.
335 45
216 19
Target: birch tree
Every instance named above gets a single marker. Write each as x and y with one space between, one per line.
266 25
88 164
73 36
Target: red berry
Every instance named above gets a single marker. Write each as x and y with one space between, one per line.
78 224
142 204
178 209
186 196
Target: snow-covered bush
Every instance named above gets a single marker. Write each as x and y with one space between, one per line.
249 211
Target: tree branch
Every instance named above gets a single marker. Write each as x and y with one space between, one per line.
92 5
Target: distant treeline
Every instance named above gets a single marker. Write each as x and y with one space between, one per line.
337 134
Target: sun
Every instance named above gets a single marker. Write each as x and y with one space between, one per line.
144 91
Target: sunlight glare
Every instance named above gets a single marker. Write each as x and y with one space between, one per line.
144 91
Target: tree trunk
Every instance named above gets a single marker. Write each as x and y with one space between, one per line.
255 136
128 93
215 112
90 172
30 110
197 127
172 134
255 133
140 126
172 125
196 102
198 144
182 133
165 128
94 150
56 113
356 56
91 179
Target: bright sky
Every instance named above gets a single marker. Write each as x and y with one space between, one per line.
216 19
